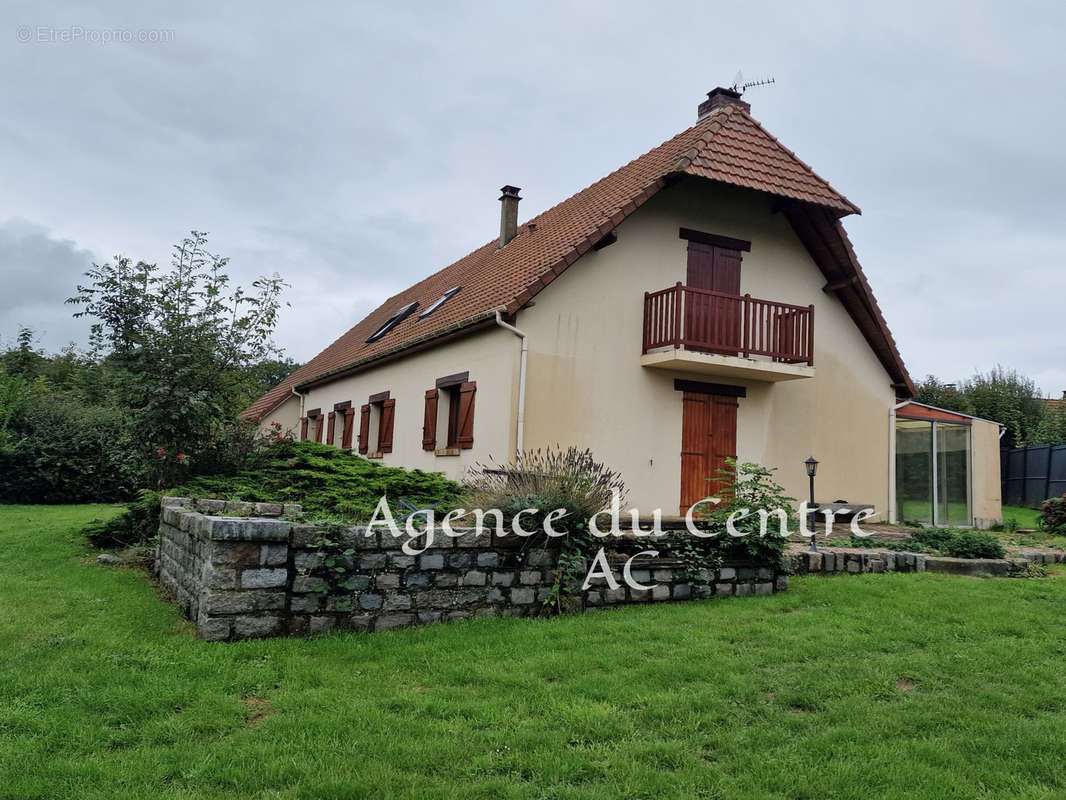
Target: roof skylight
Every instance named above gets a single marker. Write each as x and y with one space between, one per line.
392 322
444 298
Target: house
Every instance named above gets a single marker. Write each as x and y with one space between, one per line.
703 301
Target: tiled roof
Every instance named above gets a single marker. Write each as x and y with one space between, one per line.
726 145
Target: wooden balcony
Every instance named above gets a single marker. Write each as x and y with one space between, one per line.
700 330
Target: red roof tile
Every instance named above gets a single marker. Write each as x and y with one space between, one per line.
727 145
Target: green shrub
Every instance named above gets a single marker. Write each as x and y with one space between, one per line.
1053 515
63 451
931 539
545 480
973 544
327 481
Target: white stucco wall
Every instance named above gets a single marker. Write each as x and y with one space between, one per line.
586 385
491 358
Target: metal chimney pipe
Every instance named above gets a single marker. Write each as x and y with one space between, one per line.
508 213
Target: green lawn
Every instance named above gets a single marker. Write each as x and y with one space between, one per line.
1025 517
873 686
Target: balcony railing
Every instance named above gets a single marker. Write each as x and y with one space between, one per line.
728 324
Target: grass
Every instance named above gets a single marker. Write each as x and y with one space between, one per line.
869 686
1025 517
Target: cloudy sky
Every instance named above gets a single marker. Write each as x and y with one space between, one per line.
355 148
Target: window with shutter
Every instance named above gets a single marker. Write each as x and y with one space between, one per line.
388 414
349 424
465 438
331 429
364 429
429 425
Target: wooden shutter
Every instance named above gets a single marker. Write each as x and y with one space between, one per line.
331 429
465 440
303 429
364 429
388 413
320 428
349 423
429 426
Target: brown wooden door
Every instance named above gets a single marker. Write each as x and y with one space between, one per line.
708 438
712 323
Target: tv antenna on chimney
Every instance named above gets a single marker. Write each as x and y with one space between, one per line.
740 86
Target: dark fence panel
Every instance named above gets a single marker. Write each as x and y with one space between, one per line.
1033 474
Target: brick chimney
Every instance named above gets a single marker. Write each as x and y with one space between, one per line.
720 97
508 213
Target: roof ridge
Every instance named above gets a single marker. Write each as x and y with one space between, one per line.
747 115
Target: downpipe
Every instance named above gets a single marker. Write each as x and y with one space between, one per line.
520 433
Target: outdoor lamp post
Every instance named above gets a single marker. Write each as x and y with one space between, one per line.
812 468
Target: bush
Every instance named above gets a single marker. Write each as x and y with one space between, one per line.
62 451
545 480
931 539
1053 515
328 482
973 544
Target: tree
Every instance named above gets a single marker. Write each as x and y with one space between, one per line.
1000 395
179 344
1006 397
1052 426
933 392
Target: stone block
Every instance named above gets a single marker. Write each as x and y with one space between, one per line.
394 621
434 561
228 603
214 629
370 602
488 559
180 502
247 530
416 580
615 595
264 578
522 596
307 559
387 580
240 508
745 573
530 576
208 506
473 578
292 509
212 577
641 575
269 509
540 558
495 596
763 574
781 583
248 627
470 539
401 560
764 587
305 603
682 591
854 566
594 598
273 555
660 592
308 583
373 561
445 579
321 623
429 617
460 560
722 589
743 589
502 578
360 622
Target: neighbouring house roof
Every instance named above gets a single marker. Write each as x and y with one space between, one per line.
922 411
726 145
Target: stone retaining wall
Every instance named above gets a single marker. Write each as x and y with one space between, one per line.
860 560
260 572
